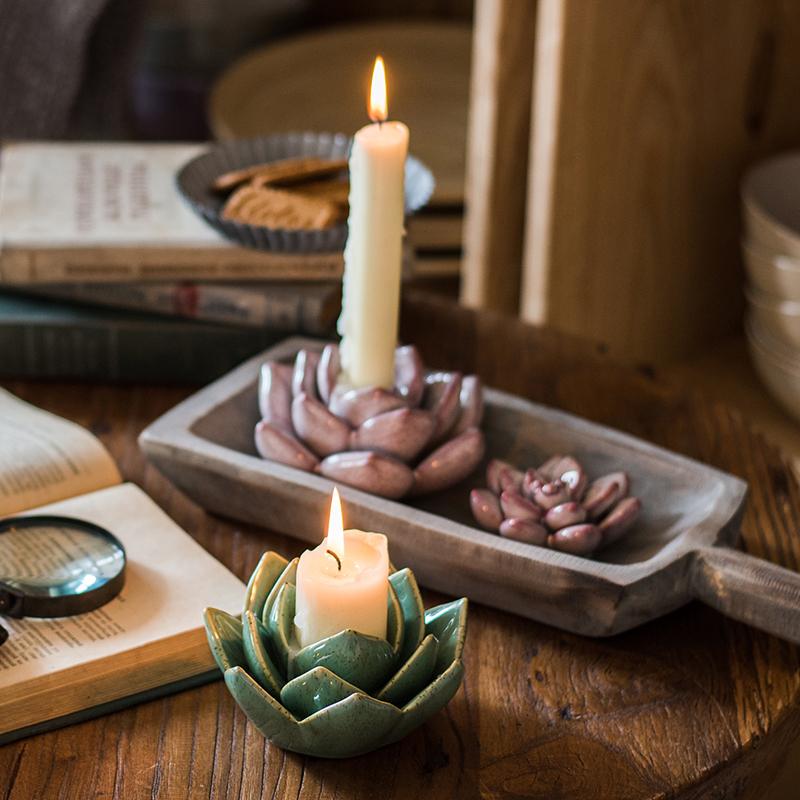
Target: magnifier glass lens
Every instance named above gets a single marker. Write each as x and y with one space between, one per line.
57 559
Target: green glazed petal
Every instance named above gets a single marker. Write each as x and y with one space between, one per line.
413 676
395 630
262 580
356 725
431 699
448 623
264 711
287 576
314 690
365 661
280 626
259 663
224 634
405 584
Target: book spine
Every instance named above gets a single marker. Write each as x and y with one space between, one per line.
30 265
307 309
127 351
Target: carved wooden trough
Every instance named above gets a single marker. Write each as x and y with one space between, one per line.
680 548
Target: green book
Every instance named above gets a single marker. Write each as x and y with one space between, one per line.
42 338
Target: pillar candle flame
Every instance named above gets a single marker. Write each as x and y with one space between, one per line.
336 526
378 107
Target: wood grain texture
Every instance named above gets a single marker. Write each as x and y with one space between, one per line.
497 153
690 706
646 113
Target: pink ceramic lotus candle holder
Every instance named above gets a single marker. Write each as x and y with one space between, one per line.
555 505
420 436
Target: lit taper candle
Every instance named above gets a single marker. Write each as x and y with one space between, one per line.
374 251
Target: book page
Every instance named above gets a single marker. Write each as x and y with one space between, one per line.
44 458
170 580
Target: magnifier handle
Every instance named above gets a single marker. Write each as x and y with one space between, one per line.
11 603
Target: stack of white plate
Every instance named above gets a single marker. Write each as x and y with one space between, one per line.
771 209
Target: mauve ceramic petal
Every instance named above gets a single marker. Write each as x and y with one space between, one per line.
369 471
524 530
603 493
275 444
358 405
274 395
530 479
322 431
304 377
450 463
470 402
328 370
570 513
550 495
519 507
549 470
620 519
442 392
401 433
574 476
580 540
486 508
501 475
409 374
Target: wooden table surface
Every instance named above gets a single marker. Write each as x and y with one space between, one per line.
689 706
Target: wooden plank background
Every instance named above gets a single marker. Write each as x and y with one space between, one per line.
646 113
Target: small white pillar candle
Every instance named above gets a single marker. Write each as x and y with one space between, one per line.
374 251
342 584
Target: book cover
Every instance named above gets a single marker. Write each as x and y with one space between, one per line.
304 307
47 339
104 211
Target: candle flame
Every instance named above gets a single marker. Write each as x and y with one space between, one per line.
336 525
378 107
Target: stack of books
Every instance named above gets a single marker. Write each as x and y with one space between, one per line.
105 273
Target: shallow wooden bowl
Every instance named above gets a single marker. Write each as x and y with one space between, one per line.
679 550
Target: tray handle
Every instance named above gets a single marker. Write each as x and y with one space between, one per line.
748 589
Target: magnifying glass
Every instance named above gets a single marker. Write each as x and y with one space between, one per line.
54 566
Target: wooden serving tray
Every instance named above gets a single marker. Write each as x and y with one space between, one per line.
679 549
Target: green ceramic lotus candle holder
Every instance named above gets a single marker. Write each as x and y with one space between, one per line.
350 693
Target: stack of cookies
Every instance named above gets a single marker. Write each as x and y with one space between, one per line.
294 193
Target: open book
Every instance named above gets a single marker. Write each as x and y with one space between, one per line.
146 642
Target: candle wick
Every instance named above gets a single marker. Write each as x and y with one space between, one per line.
338 562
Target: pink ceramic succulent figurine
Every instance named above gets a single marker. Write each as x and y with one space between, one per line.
555 505
420 436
